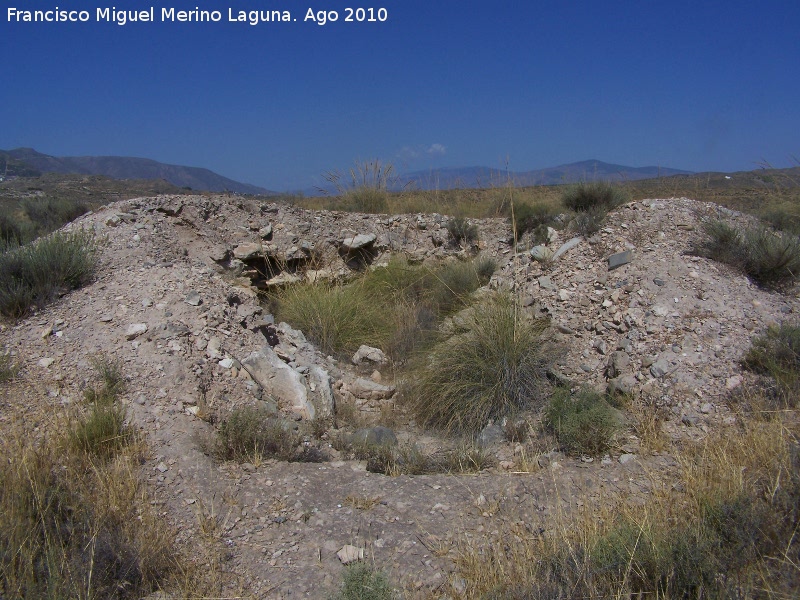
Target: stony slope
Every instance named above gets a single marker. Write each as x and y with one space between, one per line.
173 302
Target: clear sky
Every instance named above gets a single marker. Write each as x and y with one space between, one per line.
690 85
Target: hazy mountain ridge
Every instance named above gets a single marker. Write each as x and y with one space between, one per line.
24 161
586 170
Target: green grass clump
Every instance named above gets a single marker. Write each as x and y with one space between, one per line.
772 260
103 431
599 195
8 369
461 232
535 218
338 319
769 259
250 434
395 308
584 423
48 214
492 371
364 200
36 273
776 354
363 582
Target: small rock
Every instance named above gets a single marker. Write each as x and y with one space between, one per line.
46 362
619 259
135 330
707 408
349 554
563 295
265 232
193 299
566 247
733 382
367 353
374 436
546 283
230 363
147 303
490 435
541 253
660 368
626 458
690 420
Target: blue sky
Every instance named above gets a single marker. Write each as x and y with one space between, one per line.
698 86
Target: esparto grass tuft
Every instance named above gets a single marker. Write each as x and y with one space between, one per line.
494 370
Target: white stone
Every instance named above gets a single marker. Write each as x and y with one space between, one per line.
135 330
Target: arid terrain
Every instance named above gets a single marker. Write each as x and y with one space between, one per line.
180 301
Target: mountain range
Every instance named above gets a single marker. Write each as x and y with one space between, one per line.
483 177
26 162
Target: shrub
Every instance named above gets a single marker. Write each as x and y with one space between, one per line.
492 371
461 232
363 582
722 243
8 370
75 527
365 187
584 423
337 319
36 273
453 282
535 218
772 260
769 259
364 200
589 222
48 214
250 434
587 197
782 219
776 353
103 431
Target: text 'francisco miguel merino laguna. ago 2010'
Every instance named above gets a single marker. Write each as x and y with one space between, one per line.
171 15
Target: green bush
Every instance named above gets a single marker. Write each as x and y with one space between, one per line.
535 218
461 232
769 259
453 282
589 222
586 197
364 200
103 432
584 423
36 273
722 243
776 353
394 308
782 219
8 369
250 433
492 371
772 260
338 319
48 214
363 582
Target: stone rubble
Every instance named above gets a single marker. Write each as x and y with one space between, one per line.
176 300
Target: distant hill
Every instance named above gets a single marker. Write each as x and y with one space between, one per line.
482 177
26 162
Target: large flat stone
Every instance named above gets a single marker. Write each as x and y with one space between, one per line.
620 258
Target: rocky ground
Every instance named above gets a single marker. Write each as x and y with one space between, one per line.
175 300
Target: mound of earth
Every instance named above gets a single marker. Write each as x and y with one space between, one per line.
175 301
